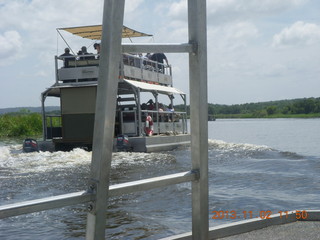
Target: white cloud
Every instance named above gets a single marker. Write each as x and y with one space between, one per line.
35 21
233 35
224 11
298 34
10 42
221 11
132 6
178 10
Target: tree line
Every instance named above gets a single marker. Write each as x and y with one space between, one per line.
305 107
27 123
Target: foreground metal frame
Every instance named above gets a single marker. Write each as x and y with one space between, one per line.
64 200
245 226
99 189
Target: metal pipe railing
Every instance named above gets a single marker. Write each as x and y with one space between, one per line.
171 118
76 61
59 201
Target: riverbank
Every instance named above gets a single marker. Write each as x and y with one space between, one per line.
30 124
19 125
249 115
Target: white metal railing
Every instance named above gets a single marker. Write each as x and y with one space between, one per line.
59 201
52 126
73 64
169 117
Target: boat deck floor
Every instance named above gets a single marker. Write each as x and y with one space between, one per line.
294 231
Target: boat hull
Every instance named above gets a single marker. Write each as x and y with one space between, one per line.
137 144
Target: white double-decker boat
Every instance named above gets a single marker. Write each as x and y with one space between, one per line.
147 127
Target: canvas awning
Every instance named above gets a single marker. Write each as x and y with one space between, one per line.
154 87
95 32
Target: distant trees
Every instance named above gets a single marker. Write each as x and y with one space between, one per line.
306 106
265 109
271 110
280 108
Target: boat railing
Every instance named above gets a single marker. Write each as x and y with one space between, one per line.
53 126
167 121
145 63
86 68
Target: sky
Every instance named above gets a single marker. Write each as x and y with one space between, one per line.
258 50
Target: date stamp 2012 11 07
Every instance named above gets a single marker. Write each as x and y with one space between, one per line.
265 214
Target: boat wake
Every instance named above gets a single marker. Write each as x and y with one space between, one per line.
228 150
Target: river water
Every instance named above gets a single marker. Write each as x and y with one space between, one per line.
255 166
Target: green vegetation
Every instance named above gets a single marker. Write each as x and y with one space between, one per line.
19 124
296 108
27 124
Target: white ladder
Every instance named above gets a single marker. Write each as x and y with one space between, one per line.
105 109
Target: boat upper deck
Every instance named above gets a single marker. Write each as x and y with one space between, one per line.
85 68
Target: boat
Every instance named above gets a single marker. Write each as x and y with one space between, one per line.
141 118
30 145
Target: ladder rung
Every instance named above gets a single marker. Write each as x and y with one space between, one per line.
150 183
126 99
83 197
42 204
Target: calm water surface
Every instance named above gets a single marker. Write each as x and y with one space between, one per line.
254 165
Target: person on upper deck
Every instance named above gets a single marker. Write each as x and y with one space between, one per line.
83 51
159 57
66 57
97 47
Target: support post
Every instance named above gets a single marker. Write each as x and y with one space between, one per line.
105 116
199 117
44 123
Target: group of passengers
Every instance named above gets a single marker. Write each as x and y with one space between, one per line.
149 60
164 115
81 55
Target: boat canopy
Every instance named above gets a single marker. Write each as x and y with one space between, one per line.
154 87
94 32
54 91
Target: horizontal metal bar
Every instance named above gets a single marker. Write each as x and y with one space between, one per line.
147 184
249 225
59 201
165 48
38 205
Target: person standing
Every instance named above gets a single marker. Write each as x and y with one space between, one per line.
66 57
159 57
97 47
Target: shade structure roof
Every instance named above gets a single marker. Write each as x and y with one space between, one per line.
94 32
54 91
154 87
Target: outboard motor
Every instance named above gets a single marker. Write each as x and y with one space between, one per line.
30 145
123 143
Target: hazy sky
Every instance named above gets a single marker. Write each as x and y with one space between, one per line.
258 50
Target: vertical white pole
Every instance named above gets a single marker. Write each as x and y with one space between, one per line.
105 115
199 117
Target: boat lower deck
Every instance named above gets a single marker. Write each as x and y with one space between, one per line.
158 143
154 143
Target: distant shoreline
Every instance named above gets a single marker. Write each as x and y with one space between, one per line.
243 116
28 109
